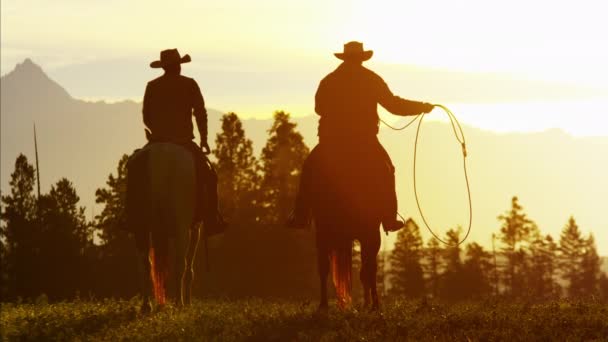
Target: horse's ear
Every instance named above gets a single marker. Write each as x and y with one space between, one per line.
148 134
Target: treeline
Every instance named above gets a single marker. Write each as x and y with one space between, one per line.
48 247
523 263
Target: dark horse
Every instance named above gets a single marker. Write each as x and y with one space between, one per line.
346 207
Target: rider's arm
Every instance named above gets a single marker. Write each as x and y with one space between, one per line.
321 99
146 108
399 106
199 112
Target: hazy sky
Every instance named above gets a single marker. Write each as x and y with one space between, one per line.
254 57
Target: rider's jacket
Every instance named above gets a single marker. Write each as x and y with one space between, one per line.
169 103
347 101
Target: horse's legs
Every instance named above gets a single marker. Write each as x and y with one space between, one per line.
366 288
370 246
177 264
180 244
188 277
143 271
323 268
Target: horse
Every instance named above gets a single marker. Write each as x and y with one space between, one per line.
347 207
161 197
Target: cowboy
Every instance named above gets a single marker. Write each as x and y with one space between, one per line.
346 102
169 103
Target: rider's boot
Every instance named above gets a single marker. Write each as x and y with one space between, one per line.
214 224
298 220
392 225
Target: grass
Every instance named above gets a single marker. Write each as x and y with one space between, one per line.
262 320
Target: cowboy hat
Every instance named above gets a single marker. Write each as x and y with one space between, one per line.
354 51
169 57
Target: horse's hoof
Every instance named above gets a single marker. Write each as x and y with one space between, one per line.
322 310
145 309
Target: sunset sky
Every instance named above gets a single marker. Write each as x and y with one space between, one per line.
254 57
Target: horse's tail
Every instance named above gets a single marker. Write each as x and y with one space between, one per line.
159 271
341 265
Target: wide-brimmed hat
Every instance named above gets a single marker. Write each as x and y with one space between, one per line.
353 51
169 57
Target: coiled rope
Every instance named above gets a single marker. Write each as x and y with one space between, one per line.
461 139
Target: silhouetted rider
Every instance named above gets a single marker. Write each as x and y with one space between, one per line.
346 102
170 101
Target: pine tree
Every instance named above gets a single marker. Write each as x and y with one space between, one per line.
67 239
452 285
111 221
381 274
477 271
237 168
20 232
572 249
603 287
590 268
495 276
281 164
515 235
117 253
433 265
543 263
4 265
406 277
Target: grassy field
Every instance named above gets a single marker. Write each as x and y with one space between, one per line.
260 320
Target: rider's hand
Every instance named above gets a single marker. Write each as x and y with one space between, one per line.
427 107
205 147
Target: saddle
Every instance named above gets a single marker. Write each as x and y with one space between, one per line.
137 195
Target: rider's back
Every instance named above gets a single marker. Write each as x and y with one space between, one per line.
168 106
347 102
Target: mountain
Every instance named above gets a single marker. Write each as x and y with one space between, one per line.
554 174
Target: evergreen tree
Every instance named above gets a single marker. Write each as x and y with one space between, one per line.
433 265
111 221
543 263
406 277
590 268
281 164
244 261
603 287
21 233
452 284
67 238
4 265
572 249
381 281
515 235
117 275
477 271
236 167
495 276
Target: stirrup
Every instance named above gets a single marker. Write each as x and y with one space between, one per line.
393 226
296 223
